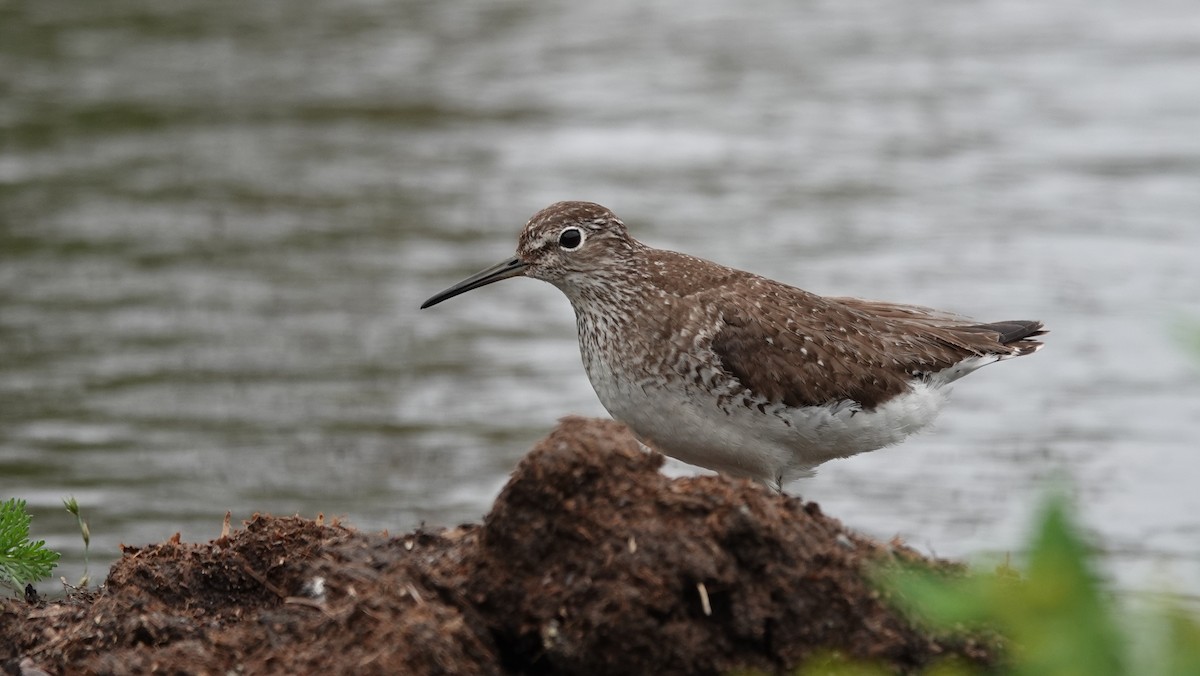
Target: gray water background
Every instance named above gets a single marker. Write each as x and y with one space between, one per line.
217 220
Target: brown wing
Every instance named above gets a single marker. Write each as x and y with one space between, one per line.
805 350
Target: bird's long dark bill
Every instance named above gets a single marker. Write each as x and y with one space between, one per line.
509 268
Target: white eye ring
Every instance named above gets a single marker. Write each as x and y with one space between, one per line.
570 238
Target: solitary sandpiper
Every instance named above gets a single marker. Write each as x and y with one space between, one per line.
739 373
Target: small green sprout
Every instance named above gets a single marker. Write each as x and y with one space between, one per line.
73 507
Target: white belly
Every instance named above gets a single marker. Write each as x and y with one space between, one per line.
774 446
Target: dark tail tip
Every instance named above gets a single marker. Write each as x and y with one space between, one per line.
1015 330
1018 334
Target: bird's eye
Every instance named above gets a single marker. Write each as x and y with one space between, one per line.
570 238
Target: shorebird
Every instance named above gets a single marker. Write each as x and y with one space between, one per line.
738 373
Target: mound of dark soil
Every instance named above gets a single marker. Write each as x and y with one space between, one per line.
590 562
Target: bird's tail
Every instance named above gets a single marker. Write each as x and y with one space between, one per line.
1018 335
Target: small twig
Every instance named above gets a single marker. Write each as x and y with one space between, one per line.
261 579
704 599
412 591
319 605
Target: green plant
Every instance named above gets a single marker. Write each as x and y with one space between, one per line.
1058 618
22 561
85 532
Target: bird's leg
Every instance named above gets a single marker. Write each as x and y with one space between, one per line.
775 484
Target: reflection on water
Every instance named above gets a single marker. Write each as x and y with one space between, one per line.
217 221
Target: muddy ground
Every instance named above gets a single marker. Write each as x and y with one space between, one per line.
590 562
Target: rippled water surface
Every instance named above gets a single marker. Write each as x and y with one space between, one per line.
217 220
